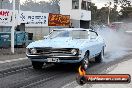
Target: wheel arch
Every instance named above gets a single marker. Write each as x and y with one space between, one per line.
103 48
87 52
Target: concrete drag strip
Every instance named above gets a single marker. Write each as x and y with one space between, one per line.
13 60
70 85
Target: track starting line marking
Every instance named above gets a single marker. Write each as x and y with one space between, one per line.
13 60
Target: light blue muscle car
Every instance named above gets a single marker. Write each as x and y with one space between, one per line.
67 45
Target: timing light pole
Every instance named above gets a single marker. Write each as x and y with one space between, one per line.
13 27
109 8
1 4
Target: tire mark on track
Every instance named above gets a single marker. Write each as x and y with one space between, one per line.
14 70
30 77
38 79
43 80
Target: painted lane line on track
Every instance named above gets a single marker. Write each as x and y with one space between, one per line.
13 60
74 83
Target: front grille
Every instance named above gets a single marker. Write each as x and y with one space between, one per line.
55 51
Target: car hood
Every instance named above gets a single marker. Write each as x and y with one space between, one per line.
58 43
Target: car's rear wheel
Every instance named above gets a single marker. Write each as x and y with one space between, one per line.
99 58
37 65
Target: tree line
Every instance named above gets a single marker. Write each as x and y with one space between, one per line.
31 5
120 10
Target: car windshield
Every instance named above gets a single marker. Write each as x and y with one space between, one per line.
74 34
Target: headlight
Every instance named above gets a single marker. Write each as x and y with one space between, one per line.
74 52
33 51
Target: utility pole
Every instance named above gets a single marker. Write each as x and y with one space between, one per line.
13 28
19 8
1 4
109 8
2 8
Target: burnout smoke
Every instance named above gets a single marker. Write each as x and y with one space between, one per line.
116 43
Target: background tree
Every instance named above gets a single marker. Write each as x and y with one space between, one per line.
5 4
126 9
100 16
94 13
42 6
126 13
114 14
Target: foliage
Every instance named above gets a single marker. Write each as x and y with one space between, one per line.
126 8
126 13
42 6
122 3
100 16
5 4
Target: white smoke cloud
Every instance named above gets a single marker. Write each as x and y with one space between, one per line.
117 43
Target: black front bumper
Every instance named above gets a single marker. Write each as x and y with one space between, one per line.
60 57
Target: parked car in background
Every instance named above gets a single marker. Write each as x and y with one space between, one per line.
118 26
67 45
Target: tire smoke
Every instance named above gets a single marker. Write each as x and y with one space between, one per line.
117 43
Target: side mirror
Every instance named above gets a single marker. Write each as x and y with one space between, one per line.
45 37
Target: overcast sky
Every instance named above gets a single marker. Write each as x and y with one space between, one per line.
100 3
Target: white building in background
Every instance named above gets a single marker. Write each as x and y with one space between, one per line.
79 11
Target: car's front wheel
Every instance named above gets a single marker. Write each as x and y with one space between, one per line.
99 58
37 65
85 61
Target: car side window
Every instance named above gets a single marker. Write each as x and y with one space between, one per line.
93 35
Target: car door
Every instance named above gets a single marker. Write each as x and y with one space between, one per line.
94 44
